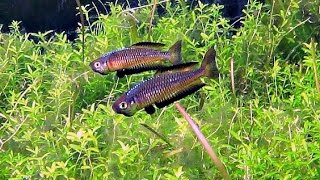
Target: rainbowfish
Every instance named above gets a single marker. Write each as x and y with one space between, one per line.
137 58
167 87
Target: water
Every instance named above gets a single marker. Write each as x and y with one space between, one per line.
60 15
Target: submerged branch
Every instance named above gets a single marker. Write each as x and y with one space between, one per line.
204 142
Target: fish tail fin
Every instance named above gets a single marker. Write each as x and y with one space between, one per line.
175 53
209 64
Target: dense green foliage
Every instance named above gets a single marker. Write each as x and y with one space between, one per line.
57 121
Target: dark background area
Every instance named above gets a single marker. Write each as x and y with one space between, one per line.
60 15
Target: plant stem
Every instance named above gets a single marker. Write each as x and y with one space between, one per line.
133 28
314 62
232 77
152 15
157 134
204 142
82 26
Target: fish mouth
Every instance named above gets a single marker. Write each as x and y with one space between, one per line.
92 66
100 72
118 111
127 114
116 108
94 69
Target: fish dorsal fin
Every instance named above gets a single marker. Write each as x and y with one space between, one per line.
209 64
177 68
149 45
175 53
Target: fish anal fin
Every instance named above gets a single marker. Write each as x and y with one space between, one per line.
180 95
141 69
120 73
149 45
150 109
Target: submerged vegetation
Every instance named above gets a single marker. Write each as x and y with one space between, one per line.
57 121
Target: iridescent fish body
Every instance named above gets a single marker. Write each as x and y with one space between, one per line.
166 87
137 58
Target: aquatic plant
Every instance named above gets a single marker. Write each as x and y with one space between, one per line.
57 121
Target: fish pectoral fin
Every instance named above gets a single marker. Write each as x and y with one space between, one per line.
180 95
175 68
149 45
150 109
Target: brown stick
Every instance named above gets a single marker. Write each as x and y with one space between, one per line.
204 142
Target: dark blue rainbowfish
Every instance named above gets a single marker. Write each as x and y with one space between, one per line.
167 87
137 58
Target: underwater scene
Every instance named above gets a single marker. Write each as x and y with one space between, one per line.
160 89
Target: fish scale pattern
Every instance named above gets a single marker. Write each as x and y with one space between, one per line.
139 57
164 87
133 56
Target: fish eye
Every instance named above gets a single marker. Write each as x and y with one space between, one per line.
123 105
97 64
